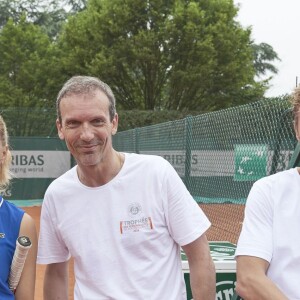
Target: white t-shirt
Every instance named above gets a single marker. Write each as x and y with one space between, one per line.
125 236
271 228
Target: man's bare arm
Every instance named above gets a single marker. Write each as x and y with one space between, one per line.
252 281
202 269
56 281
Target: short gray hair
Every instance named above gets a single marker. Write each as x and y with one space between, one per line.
84 85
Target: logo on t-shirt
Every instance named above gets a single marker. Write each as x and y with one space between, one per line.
137 221
134 209
2 235
141 224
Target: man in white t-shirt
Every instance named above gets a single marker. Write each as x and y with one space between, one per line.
268 255
122 217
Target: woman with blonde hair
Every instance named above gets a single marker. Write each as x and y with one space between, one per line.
14 222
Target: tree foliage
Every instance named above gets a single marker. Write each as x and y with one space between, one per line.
179 55
27 70
157 55
264 55
49 14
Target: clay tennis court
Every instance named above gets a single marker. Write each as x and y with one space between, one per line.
226 225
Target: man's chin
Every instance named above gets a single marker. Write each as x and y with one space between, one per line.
89 160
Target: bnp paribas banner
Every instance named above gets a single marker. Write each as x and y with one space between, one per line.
36 162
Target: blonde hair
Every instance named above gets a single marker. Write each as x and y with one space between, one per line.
295 100
5 174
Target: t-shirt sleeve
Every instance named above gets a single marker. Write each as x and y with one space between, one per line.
256 235
186 220
51 248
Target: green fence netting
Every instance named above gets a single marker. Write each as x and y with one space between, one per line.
30 121
220 154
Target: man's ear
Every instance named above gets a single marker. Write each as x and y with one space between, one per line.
115 122
59 131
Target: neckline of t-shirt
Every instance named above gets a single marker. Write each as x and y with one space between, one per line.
112 181
1 201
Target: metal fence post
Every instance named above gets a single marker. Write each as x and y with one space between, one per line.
136 140
188 151
295 159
